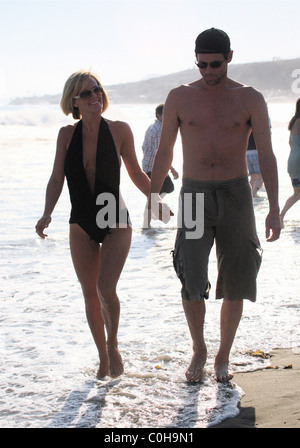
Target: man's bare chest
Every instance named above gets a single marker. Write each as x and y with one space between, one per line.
214 114
225 108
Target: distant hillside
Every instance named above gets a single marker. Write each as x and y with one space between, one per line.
273 78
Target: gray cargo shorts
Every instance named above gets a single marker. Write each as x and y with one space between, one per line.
229 221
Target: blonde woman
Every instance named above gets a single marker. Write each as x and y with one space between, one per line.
89 154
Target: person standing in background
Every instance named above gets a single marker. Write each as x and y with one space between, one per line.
150 145
293 161
256 179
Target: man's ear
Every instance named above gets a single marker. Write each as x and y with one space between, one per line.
229 57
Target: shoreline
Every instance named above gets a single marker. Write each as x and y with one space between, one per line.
272 395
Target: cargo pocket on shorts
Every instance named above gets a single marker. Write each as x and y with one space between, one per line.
177 258
257 252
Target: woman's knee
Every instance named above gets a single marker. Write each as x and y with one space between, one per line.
106 292
91 297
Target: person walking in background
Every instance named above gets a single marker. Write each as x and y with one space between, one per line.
88 154
256 179
150 145
214 115
293 161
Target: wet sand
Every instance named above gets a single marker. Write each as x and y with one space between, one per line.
272 396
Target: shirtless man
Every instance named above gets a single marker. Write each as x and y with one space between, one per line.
215 116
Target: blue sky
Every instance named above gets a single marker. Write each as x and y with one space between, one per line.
44 41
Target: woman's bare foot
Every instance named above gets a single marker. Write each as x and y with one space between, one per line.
195 371
103 369
116 367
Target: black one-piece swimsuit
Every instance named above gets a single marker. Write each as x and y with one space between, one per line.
107 180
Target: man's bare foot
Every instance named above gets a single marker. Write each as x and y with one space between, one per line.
222 374
116 367
195 371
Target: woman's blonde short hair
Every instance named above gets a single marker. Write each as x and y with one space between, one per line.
73 86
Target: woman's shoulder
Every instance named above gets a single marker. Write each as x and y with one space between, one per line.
68 129
65 134
117 123
119 127
296 127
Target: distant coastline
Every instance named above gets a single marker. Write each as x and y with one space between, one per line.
273 78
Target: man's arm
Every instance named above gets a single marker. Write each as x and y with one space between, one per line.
174 173
164 155
267 162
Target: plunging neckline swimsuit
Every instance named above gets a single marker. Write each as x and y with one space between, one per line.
107 180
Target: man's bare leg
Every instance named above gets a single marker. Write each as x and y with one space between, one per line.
195 314
231 313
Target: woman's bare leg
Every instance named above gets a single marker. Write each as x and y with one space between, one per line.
86 260
114 251
290 202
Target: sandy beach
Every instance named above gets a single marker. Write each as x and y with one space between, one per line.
272 395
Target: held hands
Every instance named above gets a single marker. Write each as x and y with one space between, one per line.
42 223
158 209
174 173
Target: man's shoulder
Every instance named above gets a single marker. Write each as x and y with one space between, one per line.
249 95
244 89
181 92
183 88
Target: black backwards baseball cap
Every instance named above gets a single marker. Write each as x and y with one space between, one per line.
212 41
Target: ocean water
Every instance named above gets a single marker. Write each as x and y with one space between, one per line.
48 358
